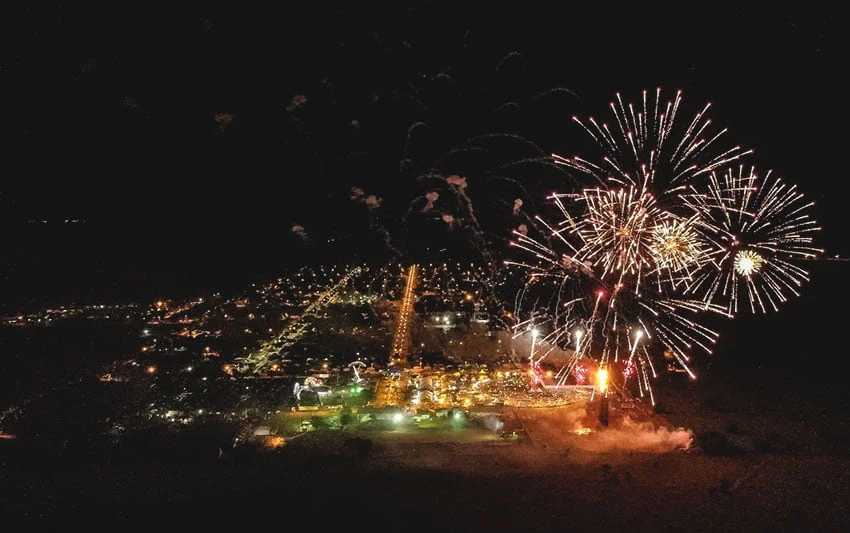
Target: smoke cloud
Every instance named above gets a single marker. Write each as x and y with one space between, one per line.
299 230
578 429
626 434
430 198
223 121
457 181
517 206
370 201
298 100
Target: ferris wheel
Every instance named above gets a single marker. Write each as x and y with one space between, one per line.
355 367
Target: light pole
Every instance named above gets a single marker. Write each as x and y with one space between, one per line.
534 334
531 370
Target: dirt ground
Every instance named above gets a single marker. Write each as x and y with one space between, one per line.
639 474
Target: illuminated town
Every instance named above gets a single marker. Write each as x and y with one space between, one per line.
410 344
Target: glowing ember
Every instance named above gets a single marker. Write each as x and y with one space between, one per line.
747 263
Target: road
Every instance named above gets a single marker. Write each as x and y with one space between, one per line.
292 333
401 337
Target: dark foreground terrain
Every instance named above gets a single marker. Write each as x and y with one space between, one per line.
476 486
746 470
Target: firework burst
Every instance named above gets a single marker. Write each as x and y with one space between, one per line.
678 246
655 240
760 225
648 148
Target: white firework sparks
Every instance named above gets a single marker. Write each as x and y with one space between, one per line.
760 225
656 240
645 148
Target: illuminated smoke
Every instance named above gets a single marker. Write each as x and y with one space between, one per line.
634 436
517 206
457 181
430 198
523 229
298 100
222 121
623 435
299 230
370 201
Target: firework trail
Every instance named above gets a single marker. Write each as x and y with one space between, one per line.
472 165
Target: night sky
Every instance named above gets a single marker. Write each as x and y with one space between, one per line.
191 140
170 151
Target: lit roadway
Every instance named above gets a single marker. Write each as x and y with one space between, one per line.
389 391
259 359
401 337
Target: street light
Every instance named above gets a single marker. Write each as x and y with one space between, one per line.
534 334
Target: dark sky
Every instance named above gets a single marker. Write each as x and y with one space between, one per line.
178 136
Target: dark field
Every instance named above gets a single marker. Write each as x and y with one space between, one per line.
759 462
419 487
